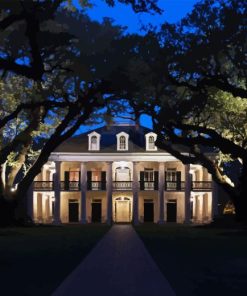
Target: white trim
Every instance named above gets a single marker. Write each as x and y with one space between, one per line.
126 136
147 136
129 157
94 134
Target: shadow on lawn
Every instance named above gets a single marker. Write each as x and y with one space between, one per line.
228 279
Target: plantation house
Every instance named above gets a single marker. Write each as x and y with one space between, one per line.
117 174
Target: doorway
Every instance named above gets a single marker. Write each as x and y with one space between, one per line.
96 211
148 211
122 210
172 211
73 210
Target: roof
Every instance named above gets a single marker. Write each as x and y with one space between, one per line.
108 140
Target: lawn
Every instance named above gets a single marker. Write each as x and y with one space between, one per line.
199 261
35 260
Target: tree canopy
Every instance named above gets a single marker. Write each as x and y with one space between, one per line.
194 88
56 66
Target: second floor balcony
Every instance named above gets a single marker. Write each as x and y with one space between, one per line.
174 185
123 185
201 186
70 186
43 186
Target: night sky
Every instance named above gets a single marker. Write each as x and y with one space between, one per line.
174 10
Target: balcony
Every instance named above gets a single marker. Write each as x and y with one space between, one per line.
122 185
96 185
201 186
147 185
174 185
70 186
43 186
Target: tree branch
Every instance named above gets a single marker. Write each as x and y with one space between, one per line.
46 104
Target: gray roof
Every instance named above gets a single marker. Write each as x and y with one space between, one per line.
108 140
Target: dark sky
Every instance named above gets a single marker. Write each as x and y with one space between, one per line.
174 10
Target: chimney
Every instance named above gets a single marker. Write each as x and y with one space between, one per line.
137 124
108 119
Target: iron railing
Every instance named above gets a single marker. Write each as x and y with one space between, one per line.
96 185
201 186
122 185
147 185
43 186
174 185
70 186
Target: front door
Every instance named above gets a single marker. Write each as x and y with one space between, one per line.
172 211
96 212
73 211
148 212
122 208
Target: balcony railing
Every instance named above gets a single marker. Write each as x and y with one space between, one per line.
174 186
70 186
43 186
122 185
96 185
201 186
147 185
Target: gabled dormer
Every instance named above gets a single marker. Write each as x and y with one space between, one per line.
94 141
150 141
122 141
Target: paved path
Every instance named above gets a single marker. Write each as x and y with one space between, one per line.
119 265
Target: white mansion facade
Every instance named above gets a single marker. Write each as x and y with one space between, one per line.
117 174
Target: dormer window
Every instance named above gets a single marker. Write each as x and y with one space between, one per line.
94 141
151 144
150 141
122 141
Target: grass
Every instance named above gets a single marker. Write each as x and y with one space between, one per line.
197 260
35 260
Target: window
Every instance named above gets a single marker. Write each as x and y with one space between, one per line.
148 175
94 141
151 145
122 141
150 141
171 175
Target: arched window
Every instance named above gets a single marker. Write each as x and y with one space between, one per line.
150 141
151 144
93 141
94 145
122 143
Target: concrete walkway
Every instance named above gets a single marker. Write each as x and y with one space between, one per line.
119 265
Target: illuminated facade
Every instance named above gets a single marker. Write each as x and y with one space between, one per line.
117 174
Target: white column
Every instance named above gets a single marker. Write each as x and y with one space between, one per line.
187 194
200 208
83 183
30 197
205 217
197 205
214 209
161 191
109 192
135 194
57 219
